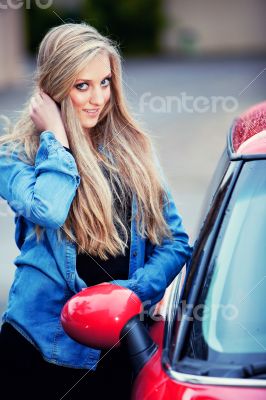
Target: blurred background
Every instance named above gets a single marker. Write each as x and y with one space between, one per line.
190 67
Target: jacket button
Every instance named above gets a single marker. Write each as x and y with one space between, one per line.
135 254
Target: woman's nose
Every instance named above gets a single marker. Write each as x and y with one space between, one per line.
97 96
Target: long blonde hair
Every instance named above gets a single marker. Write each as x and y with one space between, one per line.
93 222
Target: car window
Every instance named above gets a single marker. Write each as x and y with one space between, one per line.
214 184
201 254
229 323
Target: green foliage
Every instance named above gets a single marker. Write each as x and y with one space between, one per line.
39 21
135 24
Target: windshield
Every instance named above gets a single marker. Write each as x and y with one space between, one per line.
230 322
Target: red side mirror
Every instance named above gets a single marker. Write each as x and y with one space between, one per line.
96 315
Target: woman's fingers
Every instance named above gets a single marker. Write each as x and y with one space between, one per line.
45 96
39 97
33 103
35 100
46 115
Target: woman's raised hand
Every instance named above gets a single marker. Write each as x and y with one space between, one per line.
46 115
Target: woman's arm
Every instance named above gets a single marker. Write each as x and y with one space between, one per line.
43 192
164 262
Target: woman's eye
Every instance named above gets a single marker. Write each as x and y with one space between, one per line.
106 82
80 86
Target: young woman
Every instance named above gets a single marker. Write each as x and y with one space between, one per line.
91 206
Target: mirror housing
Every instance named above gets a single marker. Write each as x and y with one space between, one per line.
96 315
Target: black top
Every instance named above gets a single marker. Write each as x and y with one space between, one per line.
94 270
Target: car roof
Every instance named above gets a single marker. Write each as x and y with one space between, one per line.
247 136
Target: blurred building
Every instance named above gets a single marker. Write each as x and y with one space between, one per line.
213 27
193 27
12 46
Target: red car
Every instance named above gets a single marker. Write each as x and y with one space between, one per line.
211 341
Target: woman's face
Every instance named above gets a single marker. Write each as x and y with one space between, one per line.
91 90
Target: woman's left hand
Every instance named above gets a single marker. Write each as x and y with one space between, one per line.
46 116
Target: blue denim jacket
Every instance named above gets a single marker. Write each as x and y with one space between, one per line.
46 276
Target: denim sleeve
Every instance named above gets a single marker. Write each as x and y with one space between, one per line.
67 149
165 261
43 192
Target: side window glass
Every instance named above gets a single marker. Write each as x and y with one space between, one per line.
218 176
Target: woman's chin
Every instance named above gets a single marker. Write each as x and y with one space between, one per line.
90 125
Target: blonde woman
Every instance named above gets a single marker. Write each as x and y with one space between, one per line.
90 206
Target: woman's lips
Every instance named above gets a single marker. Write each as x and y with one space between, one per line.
92 112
